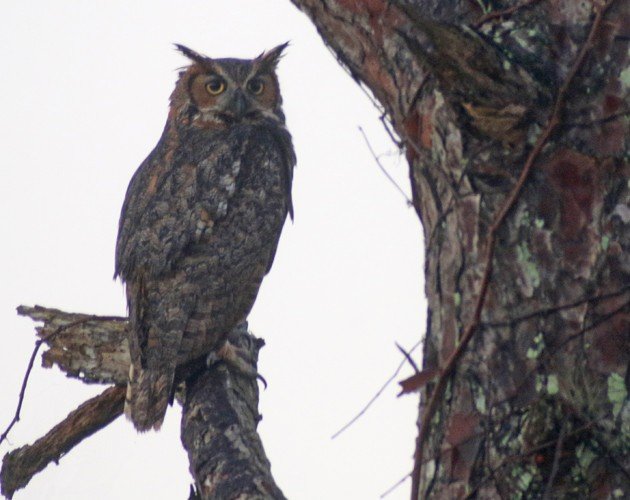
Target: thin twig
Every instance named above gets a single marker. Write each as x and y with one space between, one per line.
394 487
610 456
503 13
390 132
594 324
551 310
376 396
16 417
29 368
380 165
520 456
556 462
408 356
507 206
352 74
599 121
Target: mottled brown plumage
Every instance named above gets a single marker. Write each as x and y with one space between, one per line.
201 220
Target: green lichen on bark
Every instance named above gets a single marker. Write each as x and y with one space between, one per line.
617 393
483 96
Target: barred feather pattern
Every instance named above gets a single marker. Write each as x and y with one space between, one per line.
198 232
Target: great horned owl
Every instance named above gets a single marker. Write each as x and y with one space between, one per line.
201 220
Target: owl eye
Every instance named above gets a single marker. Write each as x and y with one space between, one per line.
255 86
215 87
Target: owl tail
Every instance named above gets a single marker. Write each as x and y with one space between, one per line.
147 397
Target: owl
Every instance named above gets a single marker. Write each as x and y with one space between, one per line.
201 220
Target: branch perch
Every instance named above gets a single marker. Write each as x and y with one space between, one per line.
225 452
220 407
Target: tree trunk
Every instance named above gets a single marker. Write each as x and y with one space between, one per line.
514 119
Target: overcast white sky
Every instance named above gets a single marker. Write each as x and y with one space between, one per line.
84 89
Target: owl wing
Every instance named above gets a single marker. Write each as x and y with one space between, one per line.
282 138
175 198
172 201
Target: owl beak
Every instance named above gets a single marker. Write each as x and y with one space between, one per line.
239 106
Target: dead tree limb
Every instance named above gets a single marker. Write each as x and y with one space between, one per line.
91 348
220 407
225 452
19 466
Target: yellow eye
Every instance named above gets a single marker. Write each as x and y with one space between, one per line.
215 87
256 86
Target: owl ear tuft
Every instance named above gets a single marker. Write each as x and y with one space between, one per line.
191 54
269 59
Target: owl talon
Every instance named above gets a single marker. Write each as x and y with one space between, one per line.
212 359
235 358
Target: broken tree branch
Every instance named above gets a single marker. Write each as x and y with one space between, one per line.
76 344
88 347
218 403
19 466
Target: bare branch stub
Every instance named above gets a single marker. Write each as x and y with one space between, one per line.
89 347
383 169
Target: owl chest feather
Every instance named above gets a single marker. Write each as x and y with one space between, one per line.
246 225
241 194
223 195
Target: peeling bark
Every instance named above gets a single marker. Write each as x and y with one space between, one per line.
93 349
218 423
533 264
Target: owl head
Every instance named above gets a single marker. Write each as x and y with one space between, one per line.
223 92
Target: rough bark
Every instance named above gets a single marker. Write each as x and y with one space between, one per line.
20 465
225 453
515 126
220 407
93 349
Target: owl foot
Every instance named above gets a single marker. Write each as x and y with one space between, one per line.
234 357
